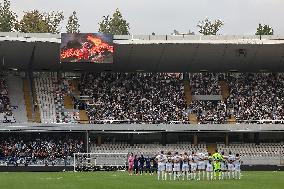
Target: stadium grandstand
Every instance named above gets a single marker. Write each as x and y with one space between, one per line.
192 102
194 94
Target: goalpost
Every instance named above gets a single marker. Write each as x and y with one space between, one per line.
91 161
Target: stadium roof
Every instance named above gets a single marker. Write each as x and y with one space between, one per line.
151 53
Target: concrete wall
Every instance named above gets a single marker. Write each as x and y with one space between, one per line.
143 127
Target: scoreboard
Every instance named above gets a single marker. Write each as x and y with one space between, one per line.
86 48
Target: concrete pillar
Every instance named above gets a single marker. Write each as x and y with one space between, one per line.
227 139
195 139
256 138
131 139
87 141
246 138
164 139
99 140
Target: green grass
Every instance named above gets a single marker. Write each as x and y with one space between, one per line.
120 180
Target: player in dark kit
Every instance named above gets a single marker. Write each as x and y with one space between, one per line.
141 160
154 165
148 164
136 165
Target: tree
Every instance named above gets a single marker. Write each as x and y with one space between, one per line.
40 22
54 20
115 25
33 22
8 18
264 30
73 24
208 27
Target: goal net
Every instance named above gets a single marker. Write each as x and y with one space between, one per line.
99 161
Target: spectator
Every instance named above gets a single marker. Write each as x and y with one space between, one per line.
134 97
18 150
255 97
6 115
204 84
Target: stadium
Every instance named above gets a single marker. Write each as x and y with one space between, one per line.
109 109
55 112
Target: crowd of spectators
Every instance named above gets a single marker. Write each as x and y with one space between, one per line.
207 112
157 98
134 97
6 115
254 98
205 84
257 96
38 150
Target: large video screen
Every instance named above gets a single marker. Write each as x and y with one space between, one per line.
86 47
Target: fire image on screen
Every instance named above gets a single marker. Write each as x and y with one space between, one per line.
86 47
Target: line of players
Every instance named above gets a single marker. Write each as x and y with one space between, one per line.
194 166
141 165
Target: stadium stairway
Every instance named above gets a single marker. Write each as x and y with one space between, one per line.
232 120
68 102
188 97
187 92
83 116
37 116
192 119
28 100
225 91
211 148
74 86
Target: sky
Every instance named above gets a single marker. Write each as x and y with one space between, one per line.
241 17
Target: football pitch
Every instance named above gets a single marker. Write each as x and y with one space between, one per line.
120 180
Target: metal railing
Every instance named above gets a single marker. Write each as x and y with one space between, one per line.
57 37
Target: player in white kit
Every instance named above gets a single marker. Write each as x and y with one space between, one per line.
161 159
224 166
169 166
176 160
201 165
185 166
209 167
237 164
231 167
193 165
